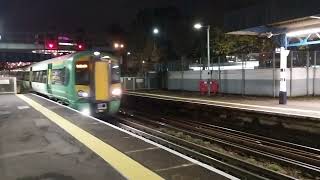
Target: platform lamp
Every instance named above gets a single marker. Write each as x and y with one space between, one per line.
199 26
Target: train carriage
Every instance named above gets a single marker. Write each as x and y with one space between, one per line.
86 81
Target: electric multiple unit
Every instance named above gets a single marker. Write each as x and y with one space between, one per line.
86 81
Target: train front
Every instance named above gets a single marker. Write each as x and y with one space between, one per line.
97 84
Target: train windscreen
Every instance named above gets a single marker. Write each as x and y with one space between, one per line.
115 73
82 73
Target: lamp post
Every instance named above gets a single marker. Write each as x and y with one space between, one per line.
199 26
155 32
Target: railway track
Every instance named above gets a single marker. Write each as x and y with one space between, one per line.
225 148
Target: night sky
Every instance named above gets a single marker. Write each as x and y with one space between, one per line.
96 15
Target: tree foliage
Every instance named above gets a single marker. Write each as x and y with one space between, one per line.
178 39
226 44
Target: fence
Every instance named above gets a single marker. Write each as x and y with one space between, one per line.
151 80
8 85
254 74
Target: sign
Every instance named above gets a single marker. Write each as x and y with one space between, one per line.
82 66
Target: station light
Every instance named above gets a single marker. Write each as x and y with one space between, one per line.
65 44
197 26
303 32
80 47
51 45
156 31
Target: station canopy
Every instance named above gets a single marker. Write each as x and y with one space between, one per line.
298 20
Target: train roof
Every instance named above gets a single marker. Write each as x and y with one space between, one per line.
68 56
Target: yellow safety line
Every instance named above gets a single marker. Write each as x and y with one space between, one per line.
122 163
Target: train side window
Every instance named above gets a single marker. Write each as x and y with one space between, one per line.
26 76
35 76
39 76
44 76
58 76
66 76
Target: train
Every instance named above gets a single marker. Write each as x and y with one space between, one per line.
86 81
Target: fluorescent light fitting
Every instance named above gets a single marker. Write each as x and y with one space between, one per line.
66 44
315 17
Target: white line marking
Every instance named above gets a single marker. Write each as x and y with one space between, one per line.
175 167
234 105
142 150
23 107
206 166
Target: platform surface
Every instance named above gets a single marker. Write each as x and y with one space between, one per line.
40 139
298 106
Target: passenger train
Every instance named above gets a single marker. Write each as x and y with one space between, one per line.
86 81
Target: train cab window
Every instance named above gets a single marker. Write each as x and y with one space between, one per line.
115 73
82 73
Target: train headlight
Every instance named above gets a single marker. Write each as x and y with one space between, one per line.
116 92
83 94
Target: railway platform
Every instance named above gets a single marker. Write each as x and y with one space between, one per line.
301 113
40 139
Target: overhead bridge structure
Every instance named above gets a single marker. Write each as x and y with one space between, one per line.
291 23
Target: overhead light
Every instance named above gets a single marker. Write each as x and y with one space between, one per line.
66 44
0 37
315 17
122 46
116 45
197 26
128 53
303 32
155 31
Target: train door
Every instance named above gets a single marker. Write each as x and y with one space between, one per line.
30 78
49 72
101 78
